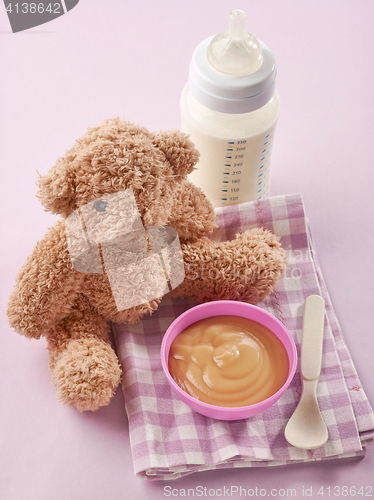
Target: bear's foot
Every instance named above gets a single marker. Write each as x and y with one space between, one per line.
86 374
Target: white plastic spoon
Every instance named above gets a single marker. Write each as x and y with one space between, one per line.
306 428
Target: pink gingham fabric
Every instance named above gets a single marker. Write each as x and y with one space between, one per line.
169 440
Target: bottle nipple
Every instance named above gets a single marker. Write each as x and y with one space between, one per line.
235 52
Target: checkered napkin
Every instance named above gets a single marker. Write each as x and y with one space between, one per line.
169 440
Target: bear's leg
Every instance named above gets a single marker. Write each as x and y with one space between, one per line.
83 365
246 268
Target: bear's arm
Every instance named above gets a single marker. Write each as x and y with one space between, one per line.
46 286
246 268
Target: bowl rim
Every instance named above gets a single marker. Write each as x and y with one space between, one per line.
238 409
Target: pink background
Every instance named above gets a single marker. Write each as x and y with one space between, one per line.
130 59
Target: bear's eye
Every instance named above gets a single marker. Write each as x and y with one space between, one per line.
100 205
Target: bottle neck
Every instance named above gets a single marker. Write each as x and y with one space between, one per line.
230 94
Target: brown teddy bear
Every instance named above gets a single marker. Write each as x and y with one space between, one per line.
73 309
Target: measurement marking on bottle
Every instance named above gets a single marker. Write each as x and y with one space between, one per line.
264 150
259 191
229 151
260 175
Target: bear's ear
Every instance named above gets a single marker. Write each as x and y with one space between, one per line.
57 189
179 151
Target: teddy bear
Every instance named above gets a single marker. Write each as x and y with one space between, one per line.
73 308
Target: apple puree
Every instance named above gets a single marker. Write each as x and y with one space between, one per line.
228 361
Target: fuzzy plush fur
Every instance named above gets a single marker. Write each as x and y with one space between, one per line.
73 310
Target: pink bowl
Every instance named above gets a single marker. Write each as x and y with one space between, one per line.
218 308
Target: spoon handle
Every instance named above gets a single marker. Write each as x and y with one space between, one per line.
311 344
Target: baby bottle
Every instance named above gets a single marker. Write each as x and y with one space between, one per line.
230 109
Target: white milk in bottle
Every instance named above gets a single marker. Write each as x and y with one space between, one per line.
230 109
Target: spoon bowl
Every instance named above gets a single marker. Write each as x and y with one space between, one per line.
306 428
